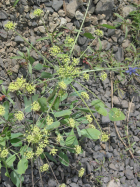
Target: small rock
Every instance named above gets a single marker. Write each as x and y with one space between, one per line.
61 13
124 104
129 174
52 183
74 179
18 39
119 55
32 16
42 29
125 43
63 22
74 185
76 50
112 166
81 40
71 9
105 119
3 33
88 168
79 15
114 183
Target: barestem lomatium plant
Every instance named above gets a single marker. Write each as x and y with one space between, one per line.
37 134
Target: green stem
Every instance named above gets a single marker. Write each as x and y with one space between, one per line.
87 107
79 29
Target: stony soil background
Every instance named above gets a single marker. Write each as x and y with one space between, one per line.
119 165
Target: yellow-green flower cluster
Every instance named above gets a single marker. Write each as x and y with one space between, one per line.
4 153
20 84
10 25
30 88
62 85
103 76
61 93
99 32
19 116
29 154
69 41
78 149
49 120
117 113
86 76
39 151
91 126
2 110
35 106
45 167
54 50
38 12
89 118
81 172
72 122
68 71
58 139
35 136
53 151
104 137
62 185
85 95
75 61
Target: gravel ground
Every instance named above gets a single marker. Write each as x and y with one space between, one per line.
116 166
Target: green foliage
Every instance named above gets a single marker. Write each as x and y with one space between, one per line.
54 125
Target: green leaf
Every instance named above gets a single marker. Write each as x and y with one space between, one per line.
64 159
27 103
62 113
49 157
22 166
15 3
46 75
54 125
71 139
56 103
64 96
108 26
43 103
43 38
32 60
16 142
91 133
21 54
38 67
77 93
30 68
17 57
97 102
16 178
119 16
15 135
10 160
88 35
85 109
116 115
101 110
2 141
1 81
23 149
6 106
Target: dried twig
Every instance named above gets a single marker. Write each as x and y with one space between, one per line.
115 122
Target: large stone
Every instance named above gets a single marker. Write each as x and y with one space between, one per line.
79 15
57 5
18 39
129 174
114 183
42 29
3 33
105 7
71 9
3 15
127 9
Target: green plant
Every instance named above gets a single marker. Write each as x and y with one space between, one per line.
53 127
